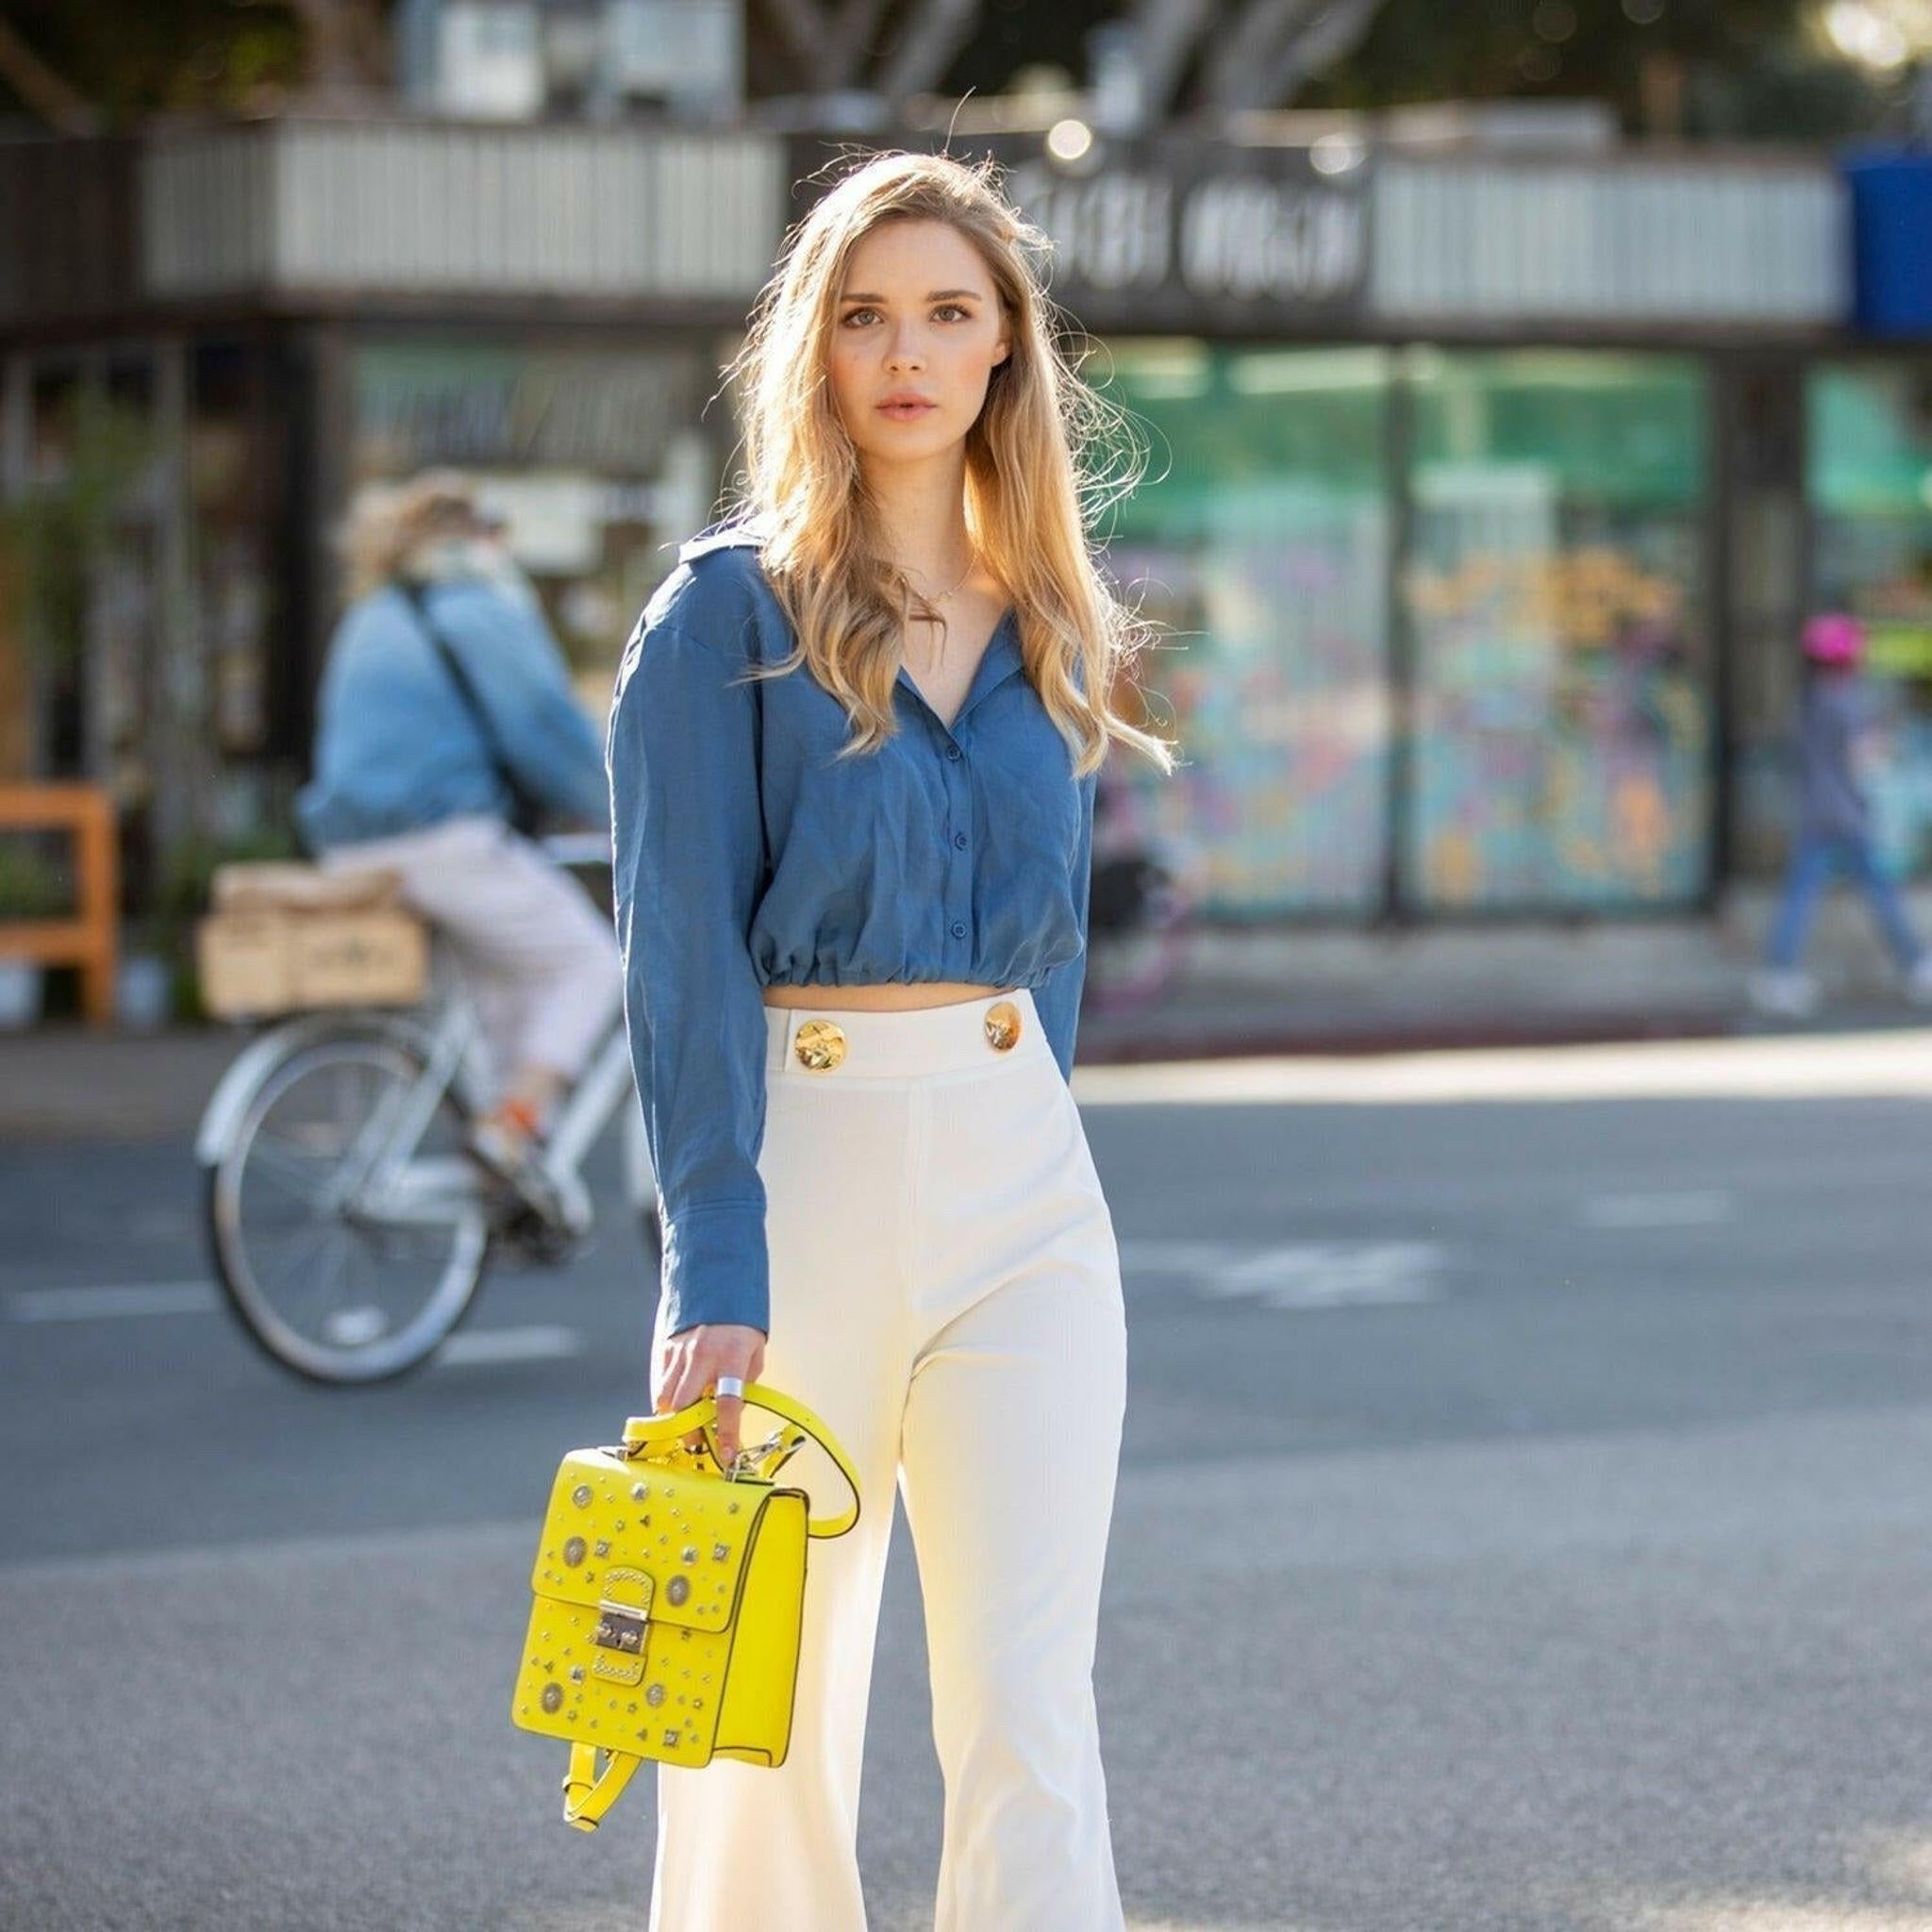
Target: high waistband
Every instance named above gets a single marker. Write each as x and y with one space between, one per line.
834 1044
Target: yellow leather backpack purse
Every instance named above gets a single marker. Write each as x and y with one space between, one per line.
669 1599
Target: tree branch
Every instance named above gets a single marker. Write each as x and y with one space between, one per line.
40 88
844 48
1167 32
1332 36
935 30
803 30
345 47
1251 50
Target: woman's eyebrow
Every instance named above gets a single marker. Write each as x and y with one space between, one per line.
937 295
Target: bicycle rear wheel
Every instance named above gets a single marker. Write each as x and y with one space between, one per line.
346 1260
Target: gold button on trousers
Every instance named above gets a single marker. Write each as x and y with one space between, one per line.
946 1294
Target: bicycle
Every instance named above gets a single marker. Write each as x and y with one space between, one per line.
1141 908
347 1226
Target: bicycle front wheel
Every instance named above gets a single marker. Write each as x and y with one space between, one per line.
347 1259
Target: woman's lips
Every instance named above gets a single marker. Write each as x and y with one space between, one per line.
907 413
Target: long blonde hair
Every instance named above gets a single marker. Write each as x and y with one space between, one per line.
1030 503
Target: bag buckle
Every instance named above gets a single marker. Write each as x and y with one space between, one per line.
757 1459
620 1626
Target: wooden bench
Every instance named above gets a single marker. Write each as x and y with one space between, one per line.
91 939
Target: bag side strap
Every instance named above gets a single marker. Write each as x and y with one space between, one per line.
641 1431
586 1795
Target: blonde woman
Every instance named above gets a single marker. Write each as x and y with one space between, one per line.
852 760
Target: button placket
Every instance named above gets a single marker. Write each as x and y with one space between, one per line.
958 796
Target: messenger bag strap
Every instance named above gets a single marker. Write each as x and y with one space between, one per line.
466 688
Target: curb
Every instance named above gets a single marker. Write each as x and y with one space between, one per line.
61 1085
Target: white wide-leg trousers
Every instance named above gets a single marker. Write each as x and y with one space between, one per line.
945 1293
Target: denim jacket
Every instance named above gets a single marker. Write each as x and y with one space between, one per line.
398 748
748 855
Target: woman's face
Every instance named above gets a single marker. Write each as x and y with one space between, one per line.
916 334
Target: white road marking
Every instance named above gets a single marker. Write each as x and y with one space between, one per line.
537 1343
1296 1274
1178 1257
111 1304
1711 1209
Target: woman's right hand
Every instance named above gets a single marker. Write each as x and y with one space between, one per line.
688 1363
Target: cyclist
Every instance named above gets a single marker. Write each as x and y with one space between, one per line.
446 721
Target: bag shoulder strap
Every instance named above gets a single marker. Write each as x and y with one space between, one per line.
588 1792
466 687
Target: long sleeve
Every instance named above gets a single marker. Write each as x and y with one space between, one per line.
1058 997
689 850
520 678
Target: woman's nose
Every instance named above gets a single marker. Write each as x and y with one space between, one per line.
904 351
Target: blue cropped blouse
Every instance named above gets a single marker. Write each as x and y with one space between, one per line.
747 855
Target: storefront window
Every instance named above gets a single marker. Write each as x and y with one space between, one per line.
1259 545
1869 480
1563 695
232 470
594 455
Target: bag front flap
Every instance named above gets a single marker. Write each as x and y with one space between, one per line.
669 1544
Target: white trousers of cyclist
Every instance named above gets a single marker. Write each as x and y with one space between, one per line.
539 957
946 1295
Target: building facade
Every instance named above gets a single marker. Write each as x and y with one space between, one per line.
1484 496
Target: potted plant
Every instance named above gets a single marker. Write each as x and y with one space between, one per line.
30 889
144 979
182 897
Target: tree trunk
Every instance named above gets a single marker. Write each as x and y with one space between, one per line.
347 49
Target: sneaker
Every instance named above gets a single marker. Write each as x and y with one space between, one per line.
1919 981
1784 995
507 1141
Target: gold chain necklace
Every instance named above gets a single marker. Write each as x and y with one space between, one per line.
971 561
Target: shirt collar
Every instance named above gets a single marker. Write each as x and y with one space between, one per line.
725 536
997 663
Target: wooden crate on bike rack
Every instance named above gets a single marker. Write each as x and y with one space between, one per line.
285 938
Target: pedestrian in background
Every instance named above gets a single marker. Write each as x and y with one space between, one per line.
1837 724
445 715
853 760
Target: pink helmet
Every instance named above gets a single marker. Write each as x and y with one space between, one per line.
1835 639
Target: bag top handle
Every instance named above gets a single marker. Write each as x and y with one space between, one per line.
644 1431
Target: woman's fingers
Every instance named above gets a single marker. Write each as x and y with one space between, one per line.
689 1369
730 1423
693 1375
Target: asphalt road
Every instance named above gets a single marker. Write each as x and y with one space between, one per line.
1525 1522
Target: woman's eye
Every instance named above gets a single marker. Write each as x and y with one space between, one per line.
946 311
